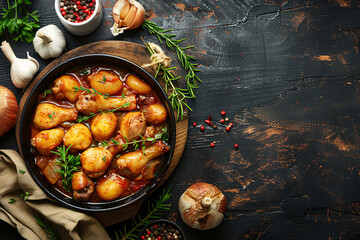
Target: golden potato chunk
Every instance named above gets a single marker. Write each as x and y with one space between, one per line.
47 140
95 161
48 115
137 84
105 82
132 125
78 136
103 125
82 186
155 114
111 187
64 87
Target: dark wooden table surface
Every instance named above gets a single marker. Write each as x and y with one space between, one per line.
287 75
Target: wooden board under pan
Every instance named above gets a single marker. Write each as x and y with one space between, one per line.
138 54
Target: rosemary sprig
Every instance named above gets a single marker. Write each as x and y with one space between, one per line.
50 232
191 77
153 213
105 95
91 115
178 95
69 164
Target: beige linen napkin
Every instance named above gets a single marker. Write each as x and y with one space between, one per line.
69 224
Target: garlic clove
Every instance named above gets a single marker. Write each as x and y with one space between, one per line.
125 19
130 17
125 10
22 71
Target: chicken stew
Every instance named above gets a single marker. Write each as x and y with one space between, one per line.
98 133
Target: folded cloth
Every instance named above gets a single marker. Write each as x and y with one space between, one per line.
21 214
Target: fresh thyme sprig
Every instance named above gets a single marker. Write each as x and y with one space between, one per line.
50 232
153 213
191 77
178 95
15 19
91 115
69 164
105 95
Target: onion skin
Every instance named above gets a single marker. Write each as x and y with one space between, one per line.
8 110
202 206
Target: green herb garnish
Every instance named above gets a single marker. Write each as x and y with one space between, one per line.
135 143
69 164
91 115
24 196
15 19
104 159
86 71
21 171
50 232
51 115
94 91
12 200
154 211
103 80
48 91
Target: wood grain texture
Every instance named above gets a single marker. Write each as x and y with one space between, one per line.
287 74
138 54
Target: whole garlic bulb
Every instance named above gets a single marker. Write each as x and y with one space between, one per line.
127 14
8 110
202 206
49 42
22 70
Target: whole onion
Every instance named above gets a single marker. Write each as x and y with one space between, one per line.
8 110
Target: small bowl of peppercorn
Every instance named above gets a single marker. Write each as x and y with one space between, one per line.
162 229
79 17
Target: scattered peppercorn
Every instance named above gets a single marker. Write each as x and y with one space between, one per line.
214 127
222 120
223 113
231 124
164 231
202 128
236 145
77 11
194 124
227 128
212 144
226 119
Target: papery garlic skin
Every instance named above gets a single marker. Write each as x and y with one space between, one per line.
202 206
49 42
8 110
22 70
127 14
